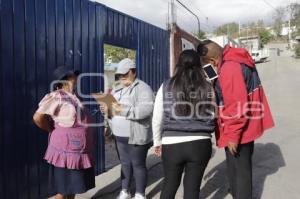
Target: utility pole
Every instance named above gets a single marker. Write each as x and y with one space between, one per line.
172 38
290 30
247 29
227 30
168 17
290 37
207 24
239 28
173 12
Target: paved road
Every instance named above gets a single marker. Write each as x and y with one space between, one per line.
277 153
276 163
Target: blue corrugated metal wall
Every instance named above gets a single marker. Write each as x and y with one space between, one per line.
37 36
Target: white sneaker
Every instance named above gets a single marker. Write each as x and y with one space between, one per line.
139 196
124 195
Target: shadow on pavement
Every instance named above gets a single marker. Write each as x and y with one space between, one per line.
112 190
267 159
158 187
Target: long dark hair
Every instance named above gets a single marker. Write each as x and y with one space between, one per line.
189 84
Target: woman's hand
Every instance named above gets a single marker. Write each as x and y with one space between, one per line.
108 135
232 147
117 109
103 108
44 122
157 150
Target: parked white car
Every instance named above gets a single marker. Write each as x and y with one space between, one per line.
260 55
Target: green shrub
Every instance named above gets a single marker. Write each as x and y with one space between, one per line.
297 51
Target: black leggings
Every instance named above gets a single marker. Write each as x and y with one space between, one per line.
133 163
190 157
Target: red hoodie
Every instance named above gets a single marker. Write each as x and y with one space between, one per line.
244 113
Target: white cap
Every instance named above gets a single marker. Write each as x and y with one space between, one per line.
124 66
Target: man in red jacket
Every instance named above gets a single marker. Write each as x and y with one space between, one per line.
244 113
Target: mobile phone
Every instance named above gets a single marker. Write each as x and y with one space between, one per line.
210 72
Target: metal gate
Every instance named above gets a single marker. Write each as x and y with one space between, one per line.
36 36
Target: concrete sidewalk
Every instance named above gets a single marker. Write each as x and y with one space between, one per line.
108 184
275 162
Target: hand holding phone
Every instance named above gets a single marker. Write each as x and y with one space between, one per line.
210 72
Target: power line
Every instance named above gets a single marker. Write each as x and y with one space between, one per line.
182 8
203 15
196 7
199 11
269 4
182 11
183 5
182 22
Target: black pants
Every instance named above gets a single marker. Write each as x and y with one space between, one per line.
239 169
133 163
191 157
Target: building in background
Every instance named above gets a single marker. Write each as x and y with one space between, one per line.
286 30
254 45
251 42
224 40
109 72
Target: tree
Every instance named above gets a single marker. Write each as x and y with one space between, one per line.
297 51
295 18
116 54
278 20
252 29
265 36
201 35
260 24
295 14
228 29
